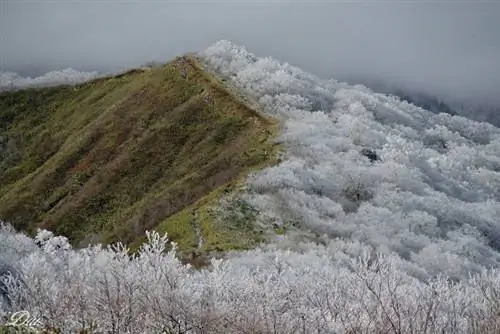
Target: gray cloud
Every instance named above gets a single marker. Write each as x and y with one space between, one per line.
449 48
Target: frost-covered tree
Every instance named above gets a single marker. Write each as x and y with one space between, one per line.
343 287
69 76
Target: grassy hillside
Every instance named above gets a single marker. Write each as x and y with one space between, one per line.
152 148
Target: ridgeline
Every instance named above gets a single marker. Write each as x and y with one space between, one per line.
153 148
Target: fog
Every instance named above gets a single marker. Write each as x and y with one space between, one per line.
446 48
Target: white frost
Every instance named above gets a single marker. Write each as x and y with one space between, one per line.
436 186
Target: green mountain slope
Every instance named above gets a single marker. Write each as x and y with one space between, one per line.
153 148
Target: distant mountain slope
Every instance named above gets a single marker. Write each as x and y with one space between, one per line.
10 80
107 159
478 110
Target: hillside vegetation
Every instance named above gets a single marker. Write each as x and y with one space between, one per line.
151 148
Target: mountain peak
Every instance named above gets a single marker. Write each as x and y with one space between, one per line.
108 158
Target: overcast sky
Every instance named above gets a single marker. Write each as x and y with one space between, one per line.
445 47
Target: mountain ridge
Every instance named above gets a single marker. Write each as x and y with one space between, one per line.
95 157
353 157
381 217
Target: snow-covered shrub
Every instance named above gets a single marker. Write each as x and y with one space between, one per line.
343 287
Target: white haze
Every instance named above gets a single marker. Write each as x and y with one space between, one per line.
446 48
